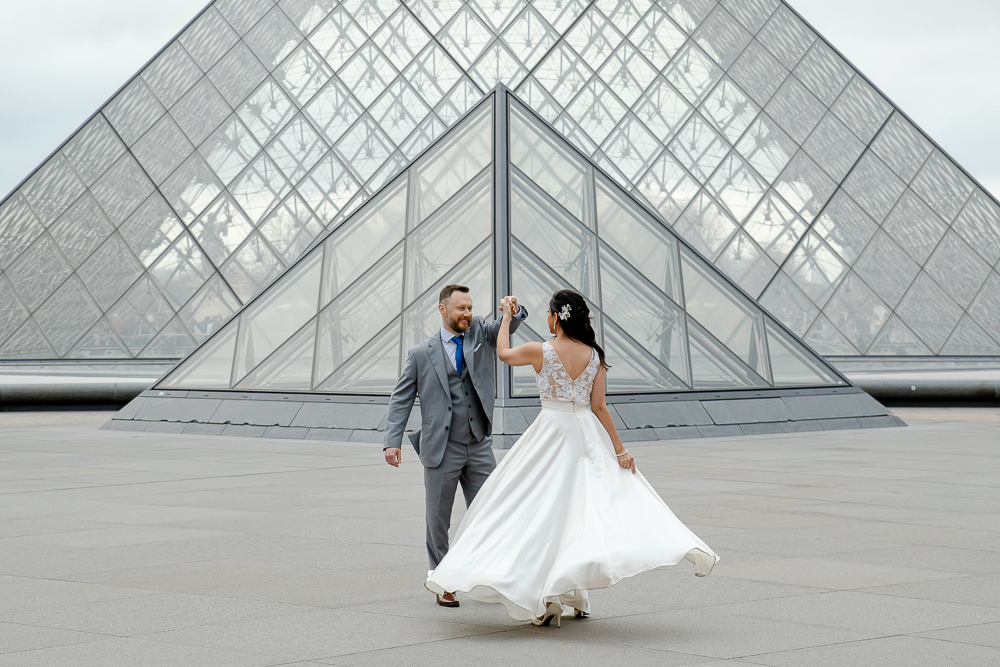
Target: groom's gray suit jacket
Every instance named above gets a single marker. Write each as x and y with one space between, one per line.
426 375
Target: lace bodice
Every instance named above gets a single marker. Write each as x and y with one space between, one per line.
555 384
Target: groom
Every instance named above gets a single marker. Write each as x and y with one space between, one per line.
453 372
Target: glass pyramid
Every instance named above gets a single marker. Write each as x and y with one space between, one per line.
264 124
340 320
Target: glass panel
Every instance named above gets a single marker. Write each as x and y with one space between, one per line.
786 36
567 128
338 38
238 73
52 188
454 163
902 146
663 110
307 14
544 160
162 149
724 313
593 36
628 73
291 228
81 229
367 74
833 147
751 13
915 227
706 226
668 187
279 313
775 227
979 224
560 13
793 366
401 38
242 14
110 271
365 148
942 185
209 309
634 370
563 73
139 314
957 269
208 37
208 368
251 268
99 343
38 272
746 265
652 320
815 268
357 315
449 235
874 186
886 268
534 283
929 312
122 188
221 229
465 36
133 111
151 229
66 315
370 14
804 186
824 72
597 110
985 309
181 270
642 242
969 339
200 111
259 189
429 129
693 73
229 149
824 338
758 73
556 238
715 367
289 368
767 148
861 108
498 66
897 340
688 13
462 98
845 227
530 37
699 147
267 110
273 38
12 313
433 73
173 342
657 38
787 303
737 187
631 147
399 111
297 149
93 149
857 312
191 188
303 74
28 343
328 187
730 110
722 37
363 240
422 318
523 377
434 13
373 370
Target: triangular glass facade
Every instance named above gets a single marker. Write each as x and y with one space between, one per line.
265 123
341 319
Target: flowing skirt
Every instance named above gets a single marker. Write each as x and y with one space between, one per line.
559 516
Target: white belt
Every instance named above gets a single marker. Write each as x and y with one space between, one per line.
565 406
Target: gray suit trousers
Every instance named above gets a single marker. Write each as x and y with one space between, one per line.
465 463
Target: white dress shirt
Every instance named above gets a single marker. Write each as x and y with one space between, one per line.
450 346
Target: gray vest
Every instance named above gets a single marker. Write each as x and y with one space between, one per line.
468 419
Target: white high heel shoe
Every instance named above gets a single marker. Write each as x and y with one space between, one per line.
553 610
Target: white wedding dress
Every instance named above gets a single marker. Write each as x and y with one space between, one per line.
559 516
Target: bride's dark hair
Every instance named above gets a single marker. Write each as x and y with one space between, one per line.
577 324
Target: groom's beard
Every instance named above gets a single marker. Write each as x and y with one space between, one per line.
460 325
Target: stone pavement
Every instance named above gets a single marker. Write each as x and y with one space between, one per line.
838 548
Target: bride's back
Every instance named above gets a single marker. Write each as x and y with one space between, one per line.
574 355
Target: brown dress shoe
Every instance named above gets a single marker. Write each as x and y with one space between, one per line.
447 600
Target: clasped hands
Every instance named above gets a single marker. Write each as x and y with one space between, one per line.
508 306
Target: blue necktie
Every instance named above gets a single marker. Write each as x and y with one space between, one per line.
458 353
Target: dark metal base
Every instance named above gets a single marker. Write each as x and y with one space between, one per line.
638 418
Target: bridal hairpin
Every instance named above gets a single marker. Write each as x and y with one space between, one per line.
564 312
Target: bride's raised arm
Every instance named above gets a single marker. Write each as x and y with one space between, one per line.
522 355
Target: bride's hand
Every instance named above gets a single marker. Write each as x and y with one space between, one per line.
506 307
626 461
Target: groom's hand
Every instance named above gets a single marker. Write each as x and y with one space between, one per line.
393 456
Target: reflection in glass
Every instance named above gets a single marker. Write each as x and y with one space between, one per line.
373 370
289 368
209 367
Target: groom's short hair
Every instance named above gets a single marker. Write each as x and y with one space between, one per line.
448 290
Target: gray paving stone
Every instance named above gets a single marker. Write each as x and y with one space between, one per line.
257 413
719 431
204 429
155 408
677 433
244 430
887 651
747 411
801 426
340 415
333 434
839 424
677 413
762 428
286 432
164 427
126 425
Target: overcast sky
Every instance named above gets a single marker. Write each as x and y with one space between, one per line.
60 61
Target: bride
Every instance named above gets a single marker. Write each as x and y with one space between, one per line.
566 510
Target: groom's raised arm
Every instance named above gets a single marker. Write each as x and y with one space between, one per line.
493 328
400 404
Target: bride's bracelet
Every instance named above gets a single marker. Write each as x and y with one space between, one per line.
623 453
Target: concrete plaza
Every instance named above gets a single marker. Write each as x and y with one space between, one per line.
871 547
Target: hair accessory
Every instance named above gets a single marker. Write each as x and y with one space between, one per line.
564 312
